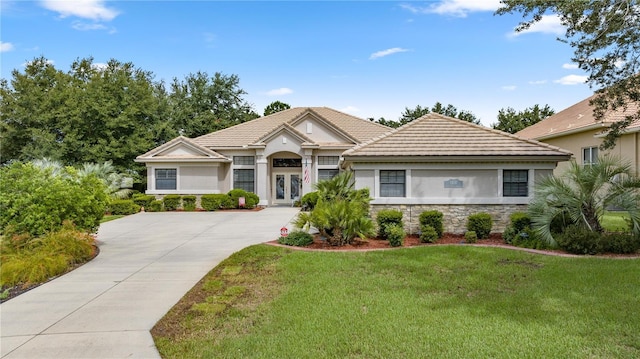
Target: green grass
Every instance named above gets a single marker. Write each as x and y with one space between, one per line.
615 221
438 302
111 217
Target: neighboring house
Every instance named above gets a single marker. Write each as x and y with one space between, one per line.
458 168
434 162
576 130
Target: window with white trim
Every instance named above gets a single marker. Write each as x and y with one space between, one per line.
166 178
328 160
515 183
392 183
327 174
244 179
244 160
589 156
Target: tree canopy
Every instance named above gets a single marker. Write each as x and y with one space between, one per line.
276 106
605 37
410 114
512 121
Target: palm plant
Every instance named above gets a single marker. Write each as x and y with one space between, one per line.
583 193
109 175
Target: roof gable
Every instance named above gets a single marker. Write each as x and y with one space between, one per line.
321 131
285 128
438 136
181 148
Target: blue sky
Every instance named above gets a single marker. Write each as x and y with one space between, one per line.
370 59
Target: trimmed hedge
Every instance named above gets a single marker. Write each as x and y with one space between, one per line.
171 202
481 223
123 207
470 237
387 218
433 219
155 206
143 200
297 238
216 201
428 234
250 199
189 203
395 235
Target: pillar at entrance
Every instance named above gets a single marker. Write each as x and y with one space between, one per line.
261 180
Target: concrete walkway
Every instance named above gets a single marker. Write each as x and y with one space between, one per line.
147 262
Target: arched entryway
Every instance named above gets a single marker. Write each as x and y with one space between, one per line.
286 177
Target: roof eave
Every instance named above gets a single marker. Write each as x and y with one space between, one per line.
470 158
594 126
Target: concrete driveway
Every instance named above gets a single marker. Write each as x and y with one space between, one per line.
147 262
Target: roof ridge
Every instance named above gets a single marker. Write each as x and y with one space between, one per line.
384 135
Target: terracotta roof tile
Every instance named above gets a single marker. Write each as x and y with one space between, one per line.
206 153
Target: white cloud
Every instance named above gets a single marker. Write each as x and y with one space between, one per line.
458 8
549 24
82 26
350 109
279 92
538 82
6 46
386 52
509 87
87 9
570 66
572 80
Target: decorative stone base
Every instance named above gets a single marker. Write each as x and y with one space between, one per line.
454 216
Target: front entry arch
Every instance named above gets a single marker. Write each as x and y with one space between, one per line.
286 178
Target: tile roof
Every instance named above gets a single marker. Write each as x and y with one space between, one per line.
435 135
353 128
578 117
205 153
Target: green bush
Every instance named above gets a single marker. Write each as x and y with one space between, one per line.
470 237
520 234
189 203
622 243
143 200
386 218
123 207
297 238
434 219
36 200
395 234
171 202
481 223
250 199
579 240
155 206
428 234
309 200
520 221
214 202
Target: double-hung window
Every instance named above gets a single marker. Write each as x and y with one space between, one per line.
589 156
392 183
515 183
244 179
166 178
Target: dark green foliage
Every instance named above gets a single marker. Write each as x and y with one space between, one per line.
434 219
216 201
35 200
155 206
297 238
250 199
309 200
520 221
143 200
481 223
428 234
511 121
276 106
189 203
519 233
470 237
622 243
123 206
387 218
395 234
579 240
171 202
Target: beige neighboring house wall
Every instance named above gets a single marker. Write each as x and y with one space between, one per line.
576 129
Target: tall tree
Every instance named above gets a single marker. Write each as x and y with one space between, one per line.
201 104
449 110
276 106
605 37
512 121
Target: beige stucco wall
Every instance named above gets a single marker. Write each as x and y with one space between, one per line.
198 178
192 178
365 179
319 132
476 183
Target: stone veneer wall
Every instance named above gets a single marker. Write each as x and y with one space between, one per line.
454 216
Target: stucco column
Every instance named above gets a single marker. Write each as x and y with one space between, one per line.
308 170
262 179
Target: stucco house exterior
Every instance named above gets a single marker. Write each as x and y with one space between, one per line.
435 162
576 130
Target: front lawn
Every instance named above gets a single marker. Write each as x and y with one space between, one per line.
615 221
436 301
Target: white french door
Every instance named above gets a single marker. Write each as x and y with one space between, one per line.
286 187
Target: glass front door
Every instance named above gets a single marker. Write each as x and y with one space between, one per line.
286 188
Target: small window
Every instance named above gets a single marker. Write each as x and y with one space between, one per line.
287 162
589 156
515 183
244 179
244 160
166 178
328 160
326 174
392 183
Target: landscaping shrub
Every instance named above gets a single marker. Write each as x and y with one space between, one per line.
428 234
155 206
297 238
250 199
386 218
519 233
309 200
36 200
622 243
579 240
434 219
214 202
143 200
189 203
395 234
520 221
470 237
123 207
171 202
481 223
